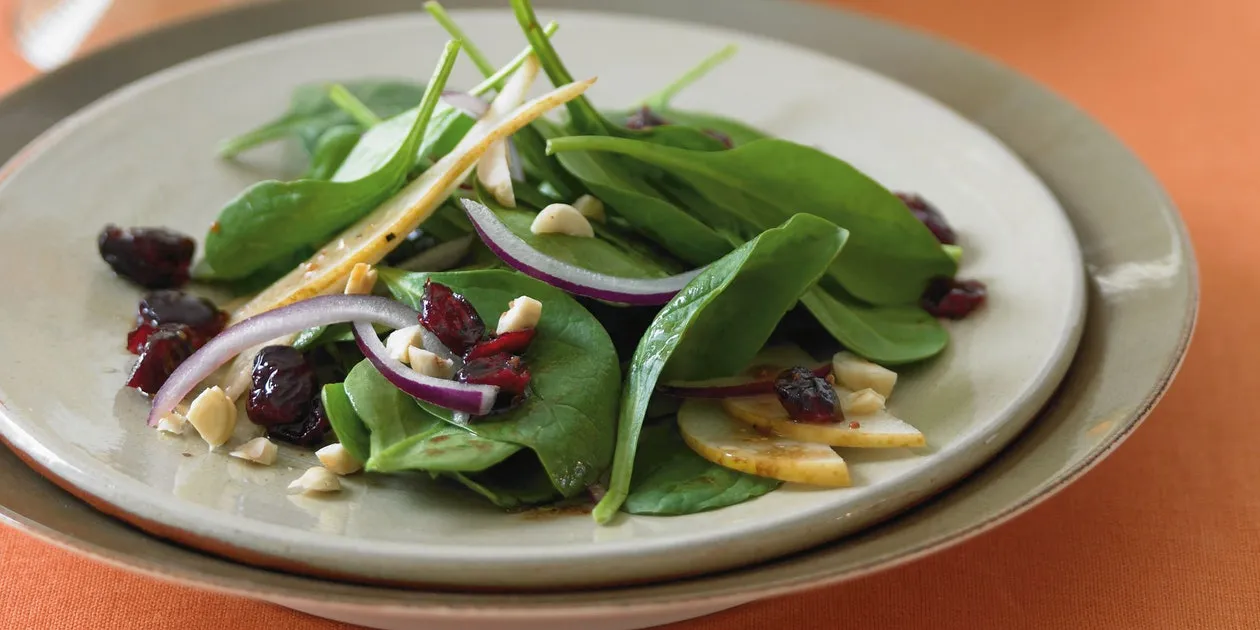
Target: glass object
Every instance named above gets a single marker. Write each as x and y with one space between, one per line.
50 32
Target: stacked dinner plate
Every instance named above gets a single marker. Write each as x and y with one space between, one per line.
1082 333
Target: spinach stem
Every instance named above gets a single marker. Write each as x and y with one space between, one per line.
350 104
496 80
584 115
474 53
661 99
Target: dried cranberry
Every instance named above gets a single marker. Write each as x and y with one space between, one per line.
507 372
309 431
806 396
163 351
283 387
156 258
930 216
953 299
644 118
451 317
169 306
514 342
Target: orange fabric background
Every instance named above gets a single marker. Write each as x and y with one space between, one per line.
1164 534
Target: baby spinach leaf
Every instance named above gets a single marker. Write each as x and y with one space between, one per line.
346 423
531 145
312 113
569 416
891 257
390 415
670 479
272 219
331 150
596 254
517 482
891 335
718 323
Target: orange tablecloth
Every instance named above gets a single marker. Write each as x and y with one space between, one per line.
1164 534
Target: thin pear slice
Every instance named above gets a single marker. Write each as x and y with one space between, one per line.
717 437
371 238
492 170
876 430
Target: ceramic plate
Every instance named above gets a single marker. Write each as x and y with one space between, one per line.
1143 295
144 155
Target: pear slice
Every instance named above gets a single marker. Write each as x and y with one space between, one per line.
876 430
717 437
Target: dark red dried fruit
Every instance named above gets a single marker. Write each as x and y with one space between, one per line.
514 342
507 372
309 432
163 351
169 306
644 118
283 387
930 216
452 318
806 396
156 258
953 299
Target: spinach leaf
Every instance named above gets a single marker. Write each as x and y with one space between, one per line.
531 145
891 335
331 150
569 416
272 219
676 231
390 415
891 257
596 254
670 479
718 323
517 482
346 423
312 113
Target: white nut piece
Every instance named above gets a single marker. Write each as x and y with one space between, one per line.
173 422
338 460
862 402
259 450
857 373
400 341
362 280
213 415
523 313
561 218
316 479
430 364
590 207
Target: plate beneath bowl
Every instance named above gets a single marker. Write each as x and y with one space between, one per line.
1143 303
145 156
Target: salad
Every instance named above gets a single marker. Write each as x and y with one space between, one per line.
654 311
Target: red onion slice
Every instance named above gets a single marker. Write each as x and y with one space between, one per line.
470 105
576 280
317 311
453 395
728 387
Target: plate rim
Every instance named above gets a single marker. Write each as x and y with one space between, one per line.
64 79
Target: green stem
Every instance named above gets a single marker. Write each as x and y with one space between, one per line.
341 97
584 115
474 53
661 99
497 80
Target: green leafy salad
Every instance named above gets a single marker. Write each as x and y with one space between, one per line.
649 310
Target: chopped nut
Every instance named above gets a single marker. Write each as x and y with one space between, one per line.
399 341
173 422
523 313
561 218
590 207
338 460
316 479
362 280
213 415
259 450
856 373
430 364
862 402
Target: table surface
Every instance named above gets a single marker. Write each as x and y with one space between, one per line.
1163 534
